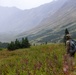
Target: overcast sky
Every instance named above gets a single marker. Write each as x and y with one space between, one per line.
23 4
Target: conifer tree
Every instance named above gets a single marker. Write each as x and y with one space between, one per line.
23 43
17 44
66 32
27 44
11 46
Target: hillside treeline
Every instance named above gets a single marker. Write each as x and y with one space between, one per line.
24 43
3 45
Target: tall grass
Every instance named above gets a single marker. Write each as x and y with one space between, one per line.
36 60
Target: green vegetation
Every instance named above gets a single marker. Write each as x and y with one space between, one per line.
54 35
36 60
17 44
3 45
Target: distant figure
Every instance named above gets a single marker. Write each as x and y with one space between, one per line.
70 51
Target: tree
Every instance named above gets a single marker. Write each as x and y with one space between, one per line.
25 43
66 32
11 46
17 44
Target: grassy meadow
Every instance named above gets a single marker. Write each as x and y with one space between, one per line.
36 60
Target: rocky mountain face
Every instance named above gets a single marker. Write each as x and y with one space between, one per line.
51 29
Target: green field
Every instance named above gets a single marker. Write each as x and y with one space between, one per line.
36 60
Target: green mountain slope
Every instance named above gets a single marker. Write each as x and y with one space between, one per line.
51 29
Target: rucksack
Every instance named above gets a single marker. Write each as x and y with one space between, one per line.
72 46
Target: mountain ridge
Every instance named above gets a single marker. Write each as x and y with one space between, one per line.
53 27
45 23
48 14
15 21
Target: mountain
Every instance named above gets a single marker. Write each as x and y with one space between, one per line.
45 23
51 28
14 21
